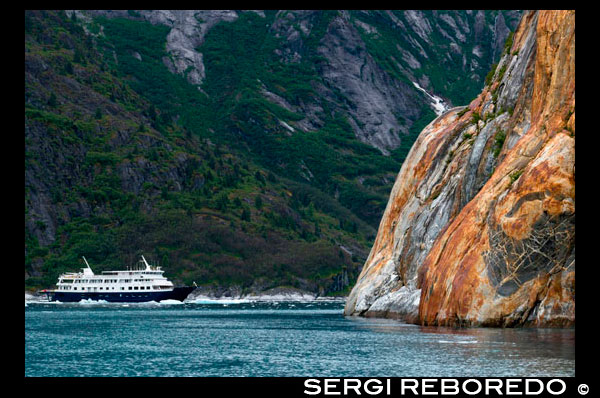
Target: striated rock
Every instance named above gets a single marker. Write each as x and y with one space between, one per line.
375 96
481 220
380 106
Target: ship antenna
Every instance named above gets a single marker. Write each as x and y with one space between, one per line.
88 266
145 262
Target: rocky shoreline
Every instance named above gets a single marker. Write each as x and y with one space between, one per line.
274 294
220 293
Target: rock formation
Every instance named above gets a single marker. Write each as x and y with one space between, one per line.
480 226
354 81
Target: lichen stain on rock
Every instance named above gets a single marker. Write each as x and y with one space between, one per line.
507 257
529 239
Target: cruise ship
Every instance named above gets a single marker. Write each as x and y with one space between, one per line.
146 283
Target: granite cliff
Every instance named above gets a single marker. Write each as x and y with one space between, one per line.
480 226
367 60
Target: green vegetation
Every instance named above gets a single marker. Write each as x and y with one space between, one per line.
509 42
444 68
204 205
515 176
401 152
463 111
490 75
499 138
124 157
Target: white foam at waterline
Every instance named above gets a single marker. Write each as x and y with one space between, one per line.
458 341
206 300
43 302
170 302
90 301
35 298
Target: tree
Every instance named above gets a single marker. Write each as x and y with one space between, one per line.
246 215
259 177
152 112
222 202
52 100
310 210
69 68
258 203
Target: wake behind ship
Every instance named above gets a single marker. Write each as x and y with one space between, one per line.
139 285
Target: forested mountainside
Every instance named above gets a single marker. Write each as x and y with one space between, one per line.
248 149
480 226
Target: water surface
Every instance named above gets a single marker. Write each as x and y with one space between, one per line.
275 339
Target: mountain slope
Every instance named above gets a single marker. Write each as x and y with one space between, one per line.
235 148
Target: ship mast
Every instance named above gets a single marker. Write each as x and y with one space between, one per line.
148 268
88 270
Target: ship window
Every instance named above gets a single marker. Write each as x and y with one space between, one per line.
135 288
129 288
75 288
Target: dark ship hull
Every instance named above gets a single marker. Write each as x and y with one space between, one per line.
178 293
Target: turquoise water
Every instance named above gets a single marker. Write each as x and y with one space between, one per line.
275 339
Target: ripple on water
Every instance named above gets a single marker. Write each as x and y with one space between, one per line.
274 339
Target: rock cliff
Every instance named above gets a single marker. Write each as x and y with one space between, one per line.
480 226
356 80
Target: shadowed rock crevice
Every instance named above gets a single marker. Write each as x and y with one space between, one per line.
513 262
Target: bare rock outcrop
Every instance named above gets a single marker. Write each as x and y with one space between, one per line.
480 225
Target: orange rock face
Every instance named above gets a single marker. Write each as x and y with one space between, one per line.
480 227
